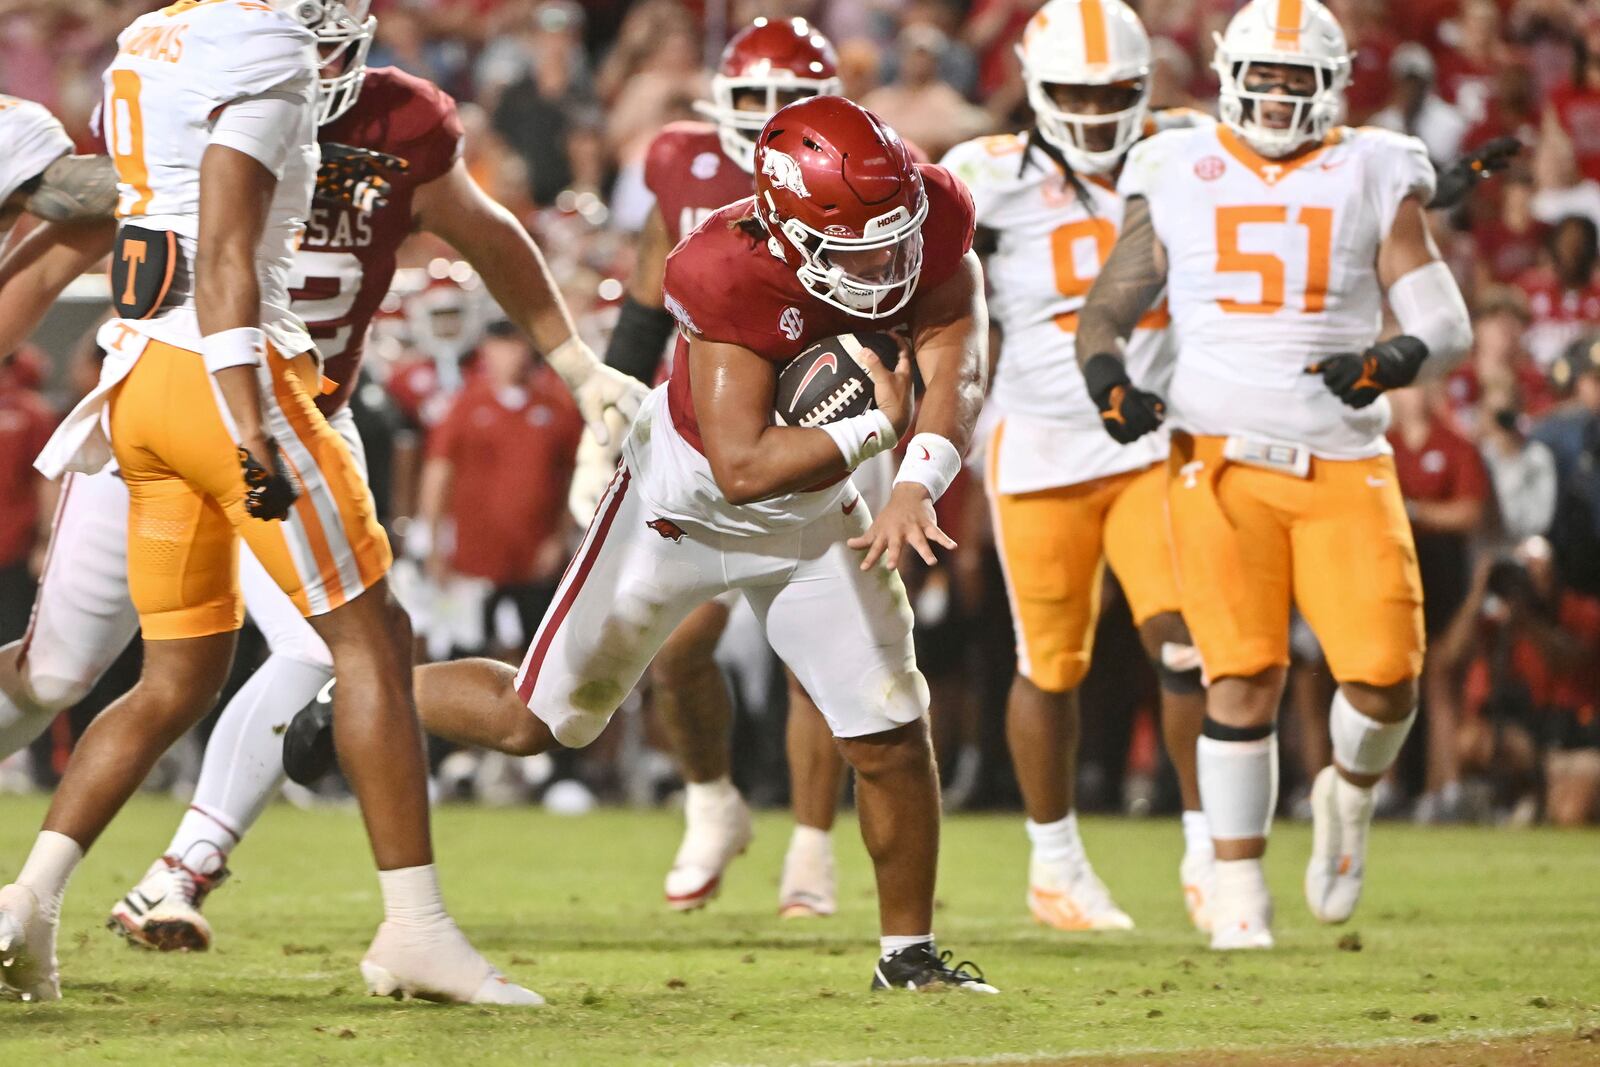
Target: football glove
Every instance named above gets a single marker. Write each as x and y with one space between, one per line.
1358 380
1456 182
359 177
270 491
1126 411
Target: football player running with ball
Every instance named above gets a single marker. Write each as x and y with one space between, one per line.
844 231
694 168
1277 236
391 162
1065 497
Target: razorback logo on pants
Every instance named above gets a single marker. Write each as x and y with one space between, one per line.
668 529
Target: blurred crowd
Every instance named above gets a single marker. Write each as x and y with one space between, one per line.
473 440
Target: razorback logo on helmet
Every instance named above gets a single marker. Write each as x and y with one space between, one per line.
668 529
784 172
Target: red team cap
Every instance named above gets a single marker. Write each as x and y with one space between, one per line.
843 200
784 60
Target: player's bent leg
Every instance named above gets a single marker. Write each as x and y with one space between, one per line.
809 886
691 700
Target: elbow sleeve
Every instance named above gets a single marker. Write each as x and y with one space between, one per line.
1428 305
639 339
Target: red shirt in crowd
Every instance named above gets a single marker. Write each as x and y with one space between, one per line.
1464 389
1578 109
25 425
1446 467
1560 315
1576 689
512 451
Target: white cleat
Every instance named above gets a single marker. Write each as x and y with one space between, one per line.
1241 911
163 911
1070 896
1341 816
27 947
1198 876
437 962
717 830
808 889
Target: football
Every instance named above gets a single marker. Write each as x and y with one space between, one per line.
828 381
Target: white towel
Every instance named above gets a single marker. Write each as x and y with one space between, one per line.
80 443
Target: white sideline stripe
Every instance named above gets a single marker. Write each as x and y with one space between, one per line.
1045 1056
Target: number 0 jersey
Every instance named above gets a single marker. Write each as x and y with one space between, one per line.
1270 266
1051 240
175 70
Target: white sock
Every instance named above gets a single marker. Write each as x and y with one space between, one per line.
411 896
810 839
1238 785
708 794
1241 877
1362 745
1196 834
1056 842
48 867
243 766
888 946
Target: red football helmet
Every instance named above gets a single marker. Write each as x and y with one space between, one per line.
843 202
783 61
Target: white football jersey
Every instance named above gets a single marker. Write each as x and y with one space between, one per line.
1271 266
1049 246
175 70
33 140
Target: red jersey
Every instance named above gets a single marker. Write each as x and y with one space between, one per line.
1560 315
347 258
512 452
691 176
25 425
1446 467
723 284
1578 109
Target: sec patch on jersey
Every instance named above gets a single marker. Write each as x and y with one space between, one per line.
829 381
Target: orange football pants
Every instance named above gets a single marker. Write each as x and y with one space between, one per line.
186 492
1250 542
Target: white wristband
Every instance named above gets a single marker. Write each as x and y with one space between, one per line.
932 462
861 437
572 360
242 346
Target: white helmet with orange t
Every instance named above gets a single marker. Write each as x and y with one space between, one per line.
1276 112
344 30
1087 68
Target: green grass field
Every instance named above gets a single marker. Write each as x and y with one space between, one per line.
1472 946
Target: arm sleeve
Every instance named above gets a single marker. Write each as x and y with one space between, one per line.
265 126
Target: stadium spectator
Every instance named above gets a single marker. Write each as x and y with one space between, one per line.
1563 290
1505 236
1499 359
1419 111
1523 471
923 109
1572 118
494 485
538 114
1476 52
1373 42
1573 435
1528 650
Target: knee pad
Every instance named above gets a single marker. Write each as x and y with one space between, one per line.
1178 669
49 692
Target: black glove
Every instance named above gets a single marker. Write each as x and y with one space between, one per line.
269 493
1455 183
1126 411
358 177
1358 380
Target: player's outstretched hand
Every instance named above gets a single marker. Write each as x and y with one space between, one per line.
270 490
607 398
594 468
1126 411
908 519
891 389
1358 380
1457 181
360 177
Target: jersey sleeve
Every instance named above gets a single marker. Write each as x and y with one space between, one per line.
1400 168
663 162
697 292
982 164
33 139
1142 169
947 233
428 132
241 50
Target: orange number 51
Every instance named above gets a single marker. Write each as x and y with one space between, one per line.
1318 222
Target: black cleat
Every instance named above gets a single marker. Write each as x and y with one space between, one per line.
922 967
308 742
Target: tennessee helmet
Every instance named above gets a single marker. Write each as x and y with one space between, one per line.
344 31
842 201
1087 43
1295 33
782 60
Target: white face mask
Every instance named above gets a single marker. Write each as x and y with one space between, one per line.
872 276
